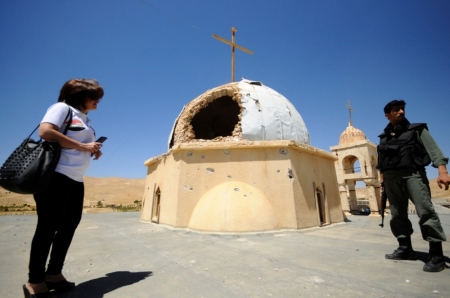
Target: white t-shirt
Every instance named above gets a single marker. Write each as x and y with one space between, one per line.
72 163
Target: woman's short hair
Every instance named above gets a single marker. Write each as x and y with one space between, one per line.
392 104
75 92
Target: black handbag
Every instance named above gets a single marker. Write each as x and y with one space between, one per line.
29 169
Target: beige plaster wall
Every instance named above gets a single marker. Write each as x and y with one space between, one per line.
282 171
233 206
163 174
261 168
322 175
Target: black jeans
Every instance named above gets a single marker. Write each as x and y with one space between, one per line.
59 210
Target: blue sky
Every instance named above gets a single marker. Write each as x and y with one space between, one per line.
153 56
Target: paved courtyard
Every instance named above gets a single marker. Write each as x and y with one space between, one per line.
116 255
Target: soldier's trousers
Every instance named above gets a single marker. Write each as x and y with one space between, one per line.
402 185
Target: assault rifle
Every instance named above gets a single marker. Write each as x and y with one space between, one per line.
383 204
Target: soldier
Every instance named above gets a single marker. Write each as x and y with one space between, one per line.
405 150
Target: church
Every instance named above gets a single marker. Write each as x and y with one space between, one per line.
240 160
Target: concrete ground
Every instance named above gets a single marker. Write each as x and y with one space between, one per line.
116 255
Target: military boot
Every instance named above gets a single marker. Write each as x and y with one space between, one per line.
436 261
404 251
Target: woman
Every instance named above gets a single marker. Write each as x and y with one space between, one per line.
60 206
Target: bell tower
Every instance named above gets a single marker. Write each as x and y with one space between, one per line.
356 161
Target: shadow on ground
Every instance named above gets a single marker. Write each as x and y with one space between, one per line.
97 288
425 256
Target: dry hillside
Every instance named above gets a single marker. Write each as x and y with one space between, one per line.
436 192
126 191
107 190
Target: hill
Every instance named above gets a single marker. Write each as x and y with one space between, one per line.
123 191
107 190
436 192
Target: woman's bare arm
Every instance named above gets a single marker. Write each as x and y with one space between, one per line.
50 133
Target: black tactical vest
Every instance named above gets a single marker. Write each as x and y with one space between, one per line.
404 150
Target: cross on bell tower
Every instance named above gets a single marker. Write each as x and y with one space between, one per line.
350 110
233 45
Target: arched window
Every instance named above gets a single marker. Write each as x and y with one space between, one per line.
351 165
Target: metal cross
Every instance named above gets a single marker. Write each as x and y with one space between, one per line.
233 45
350 112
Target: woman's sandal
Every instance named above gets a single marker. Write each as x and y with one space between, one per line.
60 286
27 293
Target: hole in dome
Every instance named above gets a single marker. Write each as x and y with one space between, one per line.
218 119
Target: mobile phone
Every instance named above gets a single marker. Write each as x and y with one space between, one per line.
101 139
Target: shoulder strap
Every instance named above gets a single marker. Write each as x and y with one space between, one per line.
69 115
33 131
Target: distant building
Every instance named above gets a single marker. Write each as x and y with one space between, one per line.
240 160
357 161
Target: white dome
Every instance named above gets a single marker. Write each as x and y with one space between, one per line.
268 115
245 110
